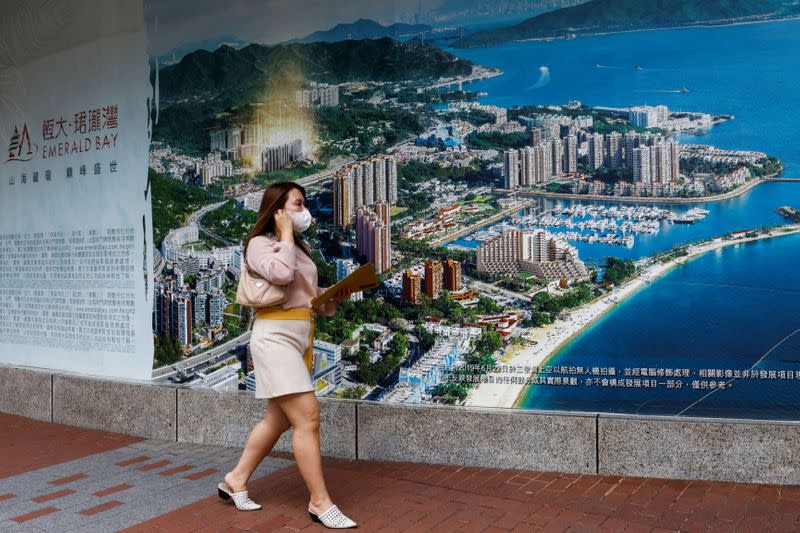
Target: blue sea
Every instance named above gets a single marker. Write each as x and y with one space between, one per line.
730 309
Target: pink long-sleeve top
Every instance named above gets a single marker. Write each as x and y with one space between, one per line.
286 264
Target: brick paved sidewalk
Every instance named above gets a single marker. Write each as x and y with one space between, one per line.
58 478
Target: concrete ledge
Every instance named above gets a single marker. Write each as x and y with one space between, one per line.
498 438
134 408
225 419
741 450
26 393
744 451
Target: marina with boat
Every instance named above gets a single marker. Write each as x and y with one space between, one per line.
614 225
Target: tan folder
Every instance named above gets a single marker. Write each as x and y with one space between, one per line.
360 279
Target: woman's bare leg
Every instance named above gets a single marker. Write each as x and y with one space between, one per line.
262 439
302 410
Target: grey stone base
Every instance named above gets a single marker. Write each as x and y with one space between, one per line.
627 445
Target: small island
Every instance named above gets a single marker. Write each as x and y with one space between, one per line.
612 16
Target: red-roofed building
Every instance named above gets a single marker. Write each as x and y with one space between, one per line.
505 323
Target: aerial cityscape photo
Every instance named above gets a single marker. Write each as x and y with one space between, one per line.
576 206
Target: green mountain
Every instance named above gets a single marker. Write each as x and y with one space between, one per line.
204 73
363 29
620 15
207 90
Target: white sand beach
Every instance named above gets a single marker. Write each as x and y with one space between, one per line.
553 336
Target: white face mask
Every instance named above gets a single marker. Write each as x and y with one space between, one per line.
301 220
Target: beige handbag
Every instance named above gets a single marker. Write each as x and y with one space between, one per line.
257 292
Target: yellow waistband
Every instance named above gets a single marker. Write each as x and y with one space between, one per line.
295 313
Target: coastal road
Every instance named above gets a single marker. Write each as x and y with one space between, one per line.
796 180
466 79
648 199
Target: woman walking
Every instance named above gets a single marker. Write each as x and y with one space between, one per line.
281 346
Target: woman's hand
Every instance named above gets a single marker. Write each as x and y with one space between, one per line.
343 294
283 225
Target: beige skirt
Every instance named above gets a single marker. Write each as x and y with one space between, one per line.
277 347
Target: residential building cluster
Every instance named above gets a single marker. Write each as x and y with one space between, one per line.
178 308
510 126
456 156
653 158
660 117
374 235
551 125
417 381
698 185
174 249
542 162
280 156
212 166
534 252
557 141
648 116
626 188
165 160
443 222
430 279
734 178
237 142
248 143
500 113
363 183
323 96
448 135
655 165
652 162
712 154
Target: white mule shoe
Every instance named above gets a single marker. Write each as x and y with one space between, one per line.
240 499
332 518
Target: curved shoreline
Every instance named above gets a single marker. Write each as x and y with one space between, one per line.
657 274
720 23
651 199
580 318
667 268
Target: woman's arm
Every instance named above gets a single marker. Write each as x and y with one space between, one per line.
275 261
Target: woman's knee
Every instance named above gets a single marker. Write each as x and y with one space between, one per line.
308 421
302 411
